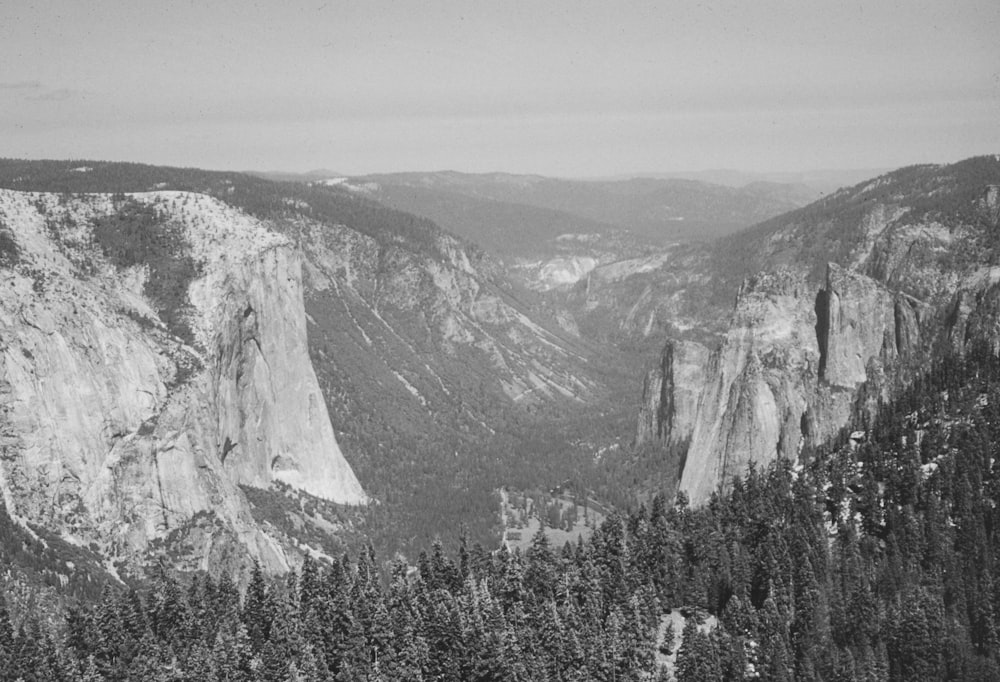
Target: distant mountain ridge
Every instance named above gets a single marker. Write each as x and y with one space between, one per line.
819 181
654 209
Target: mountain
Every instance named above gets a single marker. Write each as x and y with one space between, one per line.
503 226
841 302
446 378
812 183
352 332
289 176
442 378
154 360
551 232
661 209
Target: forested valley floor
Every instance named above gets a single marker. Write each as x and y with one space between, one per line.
874 559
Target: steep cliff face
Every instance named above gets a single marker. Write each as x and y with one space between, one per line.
755 402
271 411
855 321
437 369
670 393
792 366
154 358
800 355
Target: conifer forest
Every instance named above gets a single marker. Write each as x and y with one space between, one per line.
872 560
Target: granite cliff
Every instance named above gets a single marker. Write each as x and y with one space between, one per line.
154 359
438 371
851 296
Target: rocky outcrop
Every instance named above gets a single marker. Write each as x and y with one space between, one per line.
670 392
800 357
118 431
272 419
756 402
795 366
974 313
855 321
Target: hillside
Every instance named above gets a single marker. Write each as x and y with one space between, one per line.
445 379
442 378
836 304
664 210
551 232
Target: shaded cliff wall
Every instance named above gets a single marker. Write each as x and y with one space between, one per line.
670 394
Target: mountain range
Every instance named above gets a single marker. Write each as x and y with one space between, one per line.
213 368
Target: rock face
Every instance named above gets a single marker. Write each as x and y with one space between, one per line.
855 321
800 356
271 411
754 403
670 393
138 391
792 365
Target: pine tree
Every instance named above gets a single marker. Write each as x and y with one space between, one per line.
257 614
91 672
697 659
6 636
168 611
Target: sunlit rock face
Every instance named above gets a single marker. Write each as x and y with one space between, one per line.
270 406
755 401
793 364
145 375
801 354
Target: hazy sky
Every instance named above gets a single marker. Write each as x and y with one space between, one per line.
567 88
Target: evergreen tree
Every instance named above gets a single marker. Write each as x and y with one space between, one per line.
697 658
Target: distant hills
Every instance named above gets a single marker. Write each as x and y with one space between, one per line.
521 213
820 181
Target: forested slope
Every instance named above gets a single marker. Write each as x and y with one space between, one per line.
872 561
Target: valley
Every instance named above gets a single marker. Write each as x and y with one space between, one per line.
598 451
442 377
596 344
499 341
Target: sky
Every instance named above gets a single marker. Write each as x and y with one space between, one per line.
546 86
